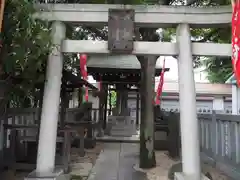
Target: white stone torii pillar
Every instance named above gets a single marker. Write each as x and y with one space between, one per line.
51 100
188 111
50 110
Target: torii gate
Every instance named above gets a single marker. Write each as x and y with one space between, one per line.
145 16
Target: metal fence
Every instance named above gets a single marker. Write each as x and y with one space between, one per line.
220 141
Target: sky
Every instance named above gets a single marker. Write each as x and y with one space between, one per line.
172 75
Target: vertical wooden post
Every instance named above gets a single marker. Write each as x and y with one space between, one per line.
173 138
105 88
66 150
110 102
13 141
101 113
81 144
80 96
137 109
63 106
118 103
147 154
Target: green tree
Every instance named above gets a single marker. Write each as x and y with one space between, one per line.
219 69
26 45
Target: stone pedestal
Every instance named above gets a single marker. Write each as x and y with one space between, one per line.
56 175
120 126
181 176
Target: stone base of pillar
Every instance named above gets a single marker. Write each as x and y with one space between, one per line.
56 175
181 176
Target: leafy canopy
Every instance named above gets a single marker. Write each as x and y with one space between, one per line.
26 45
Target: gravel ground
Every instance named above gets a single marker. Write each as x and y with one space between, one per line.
164 163
81 166
82 163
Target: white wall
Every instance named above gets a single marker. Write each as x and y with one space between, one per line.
203 106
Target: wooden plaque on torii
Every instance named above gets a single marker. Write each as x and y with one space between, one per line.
121 30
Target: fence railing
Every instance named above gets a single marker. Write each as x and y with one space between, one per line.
27 120
220 141
219 135
30 116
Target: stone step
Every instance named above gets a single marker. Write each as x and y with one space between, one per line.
125 126
126 129
121 129
121 134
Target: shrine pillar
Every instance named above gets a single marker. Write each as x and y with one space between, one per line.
124 99
235 99
137 109
110 102
118 101
147 154
188 113
51 100
100 113
105 88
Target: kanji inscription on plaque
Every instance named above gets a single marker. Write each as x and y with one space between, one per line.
120 30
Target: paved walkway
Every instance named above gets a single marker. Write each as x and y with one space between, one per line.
116 163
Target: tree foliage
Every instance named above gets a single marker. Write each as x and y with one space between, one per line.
26 44
113 97
218 69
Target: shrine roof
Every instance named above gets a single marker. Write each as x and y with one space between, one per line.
71 80
117 62
76 81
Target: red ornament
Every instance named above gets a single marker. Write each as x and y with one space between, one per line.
83 69
160 85
83 65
